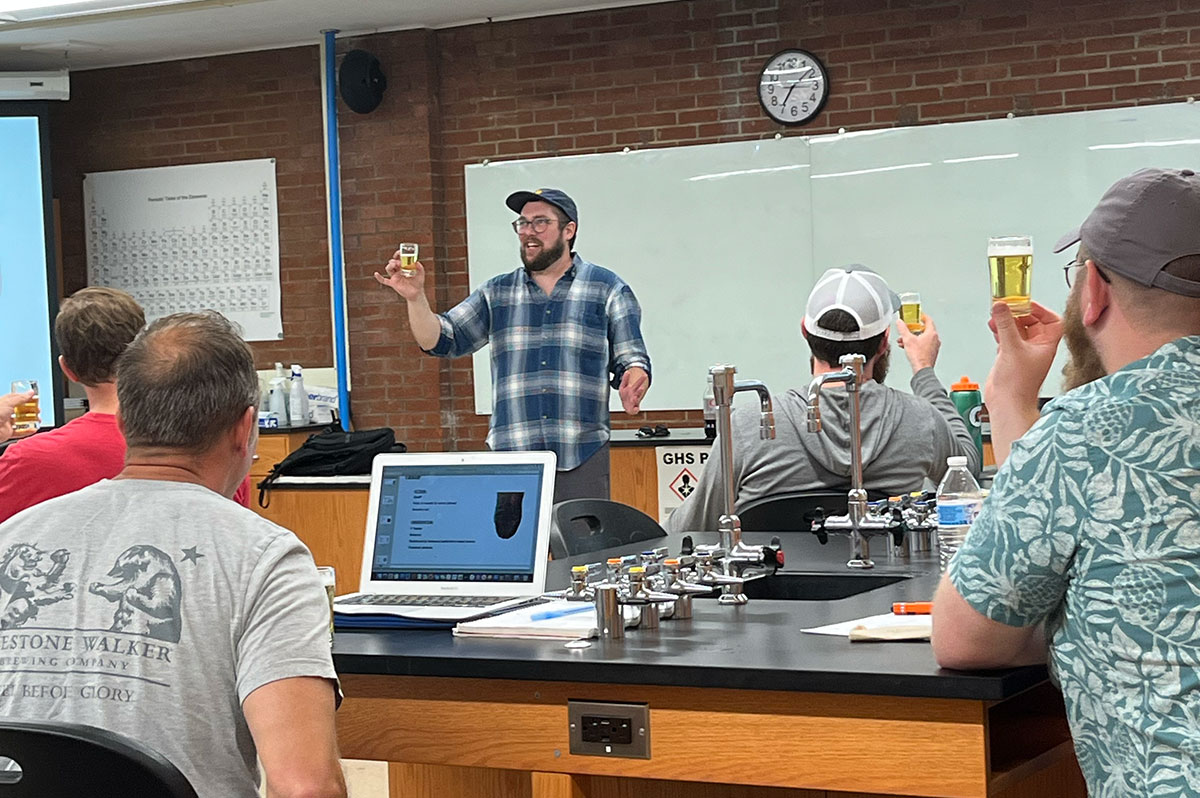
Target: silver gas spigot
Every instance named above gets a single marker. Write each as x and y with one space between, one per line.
851 377
729 526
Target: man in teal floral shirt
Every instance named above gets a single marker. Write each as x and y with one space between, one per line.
1089 544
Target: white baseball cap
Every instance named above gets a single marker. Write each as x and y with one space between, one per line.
859 292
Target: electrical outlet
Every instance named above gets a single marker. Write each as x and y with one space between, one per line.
609 729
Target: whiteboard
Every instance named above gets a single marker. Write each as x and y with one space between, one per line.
721 243
187 238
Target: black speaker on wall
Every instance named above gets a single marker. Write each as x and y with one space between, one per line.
361 81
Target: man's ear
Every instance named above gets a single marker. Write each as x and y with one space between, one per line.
1096 295
66 370
885 342
243 430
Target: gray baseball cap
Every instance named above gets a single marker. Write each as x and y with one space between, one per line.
1142 223
858 291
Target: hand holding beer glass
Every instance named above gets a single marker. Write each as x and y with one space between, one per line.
403 274
910 312
25 415
1010 259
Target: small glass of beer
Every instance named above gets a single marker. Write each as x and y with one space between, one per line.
1010 259
408 256
910 311
26 414
329 580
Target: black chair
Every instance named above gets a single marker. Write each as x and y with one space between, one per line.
581 526
794 512
67 760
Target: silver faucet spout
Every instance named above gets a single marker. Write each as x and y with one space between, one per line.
765 407
846 375
851 376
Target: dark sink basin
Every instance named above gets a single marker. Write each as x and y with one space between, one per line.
817 587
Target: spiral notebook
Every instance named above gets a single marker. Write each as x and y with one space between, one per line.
452 537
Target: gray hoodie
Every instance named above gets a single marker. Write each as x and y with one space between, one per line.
905 438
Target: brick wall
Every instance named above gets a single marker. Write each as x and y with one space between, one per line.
661 75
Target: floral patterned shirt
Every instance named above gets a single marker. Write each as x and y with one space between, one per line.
1093 526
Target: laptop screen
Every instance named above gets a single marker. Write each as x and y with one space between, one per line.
469 522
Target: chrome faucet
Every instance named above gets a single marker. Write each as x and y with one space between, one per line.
856 522
729 526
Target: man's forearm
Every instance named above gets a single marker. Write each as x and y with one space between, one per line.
425 325
1009 423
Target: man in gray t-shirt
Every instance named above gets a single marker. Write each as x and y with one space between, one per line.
153 606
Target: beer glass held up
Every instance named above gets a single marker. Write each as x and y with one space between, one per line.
910 311
408 256
1010 259
26 414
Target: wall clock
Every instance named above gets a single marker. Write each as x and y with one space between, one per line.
793 86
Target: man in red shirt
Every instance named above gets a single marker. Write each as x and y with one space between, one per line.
93 327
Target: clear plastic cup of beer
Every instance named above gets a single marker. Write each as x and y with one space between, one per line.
1010 260
910 311
408 256
27 414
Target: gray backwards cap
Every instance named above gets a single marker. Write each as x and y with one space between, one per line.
1142 223
858 291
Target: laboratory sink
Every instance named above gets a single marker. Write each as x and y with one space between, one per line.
817 586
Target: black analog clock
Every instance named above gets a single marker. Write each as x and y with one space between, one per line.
793 86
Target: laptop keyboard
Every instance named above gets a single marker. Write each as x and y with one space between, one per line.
424 601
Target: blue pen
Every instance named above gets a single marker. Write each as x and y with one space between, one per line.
548 614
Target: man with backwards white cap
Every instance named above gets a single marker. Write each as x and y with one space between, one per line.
1089 544
905 437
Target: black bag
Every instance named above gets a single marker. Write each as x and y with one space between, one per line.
332 453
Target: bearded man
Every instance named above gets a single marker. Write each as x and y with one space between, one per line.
1088 548
562 332
905 437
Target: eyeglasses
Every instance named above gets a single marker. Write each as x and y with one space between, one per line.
1069 268
657 431
1076 264
539 225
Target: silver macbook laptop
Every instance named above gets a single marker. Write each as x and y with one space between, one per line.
454 536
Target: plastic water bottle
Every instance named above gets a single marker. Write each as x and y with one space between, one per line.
710 410
298 399
958 503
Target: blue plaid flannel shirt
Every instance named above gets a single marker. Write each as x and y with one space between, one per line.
553 356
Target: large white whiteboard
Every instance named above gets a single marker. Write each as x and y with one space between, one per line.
722 242
187 238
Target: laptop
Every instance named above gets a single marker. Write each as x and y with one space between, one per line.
451 537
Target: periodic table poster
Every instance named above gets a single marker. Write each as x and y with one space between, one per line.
187 238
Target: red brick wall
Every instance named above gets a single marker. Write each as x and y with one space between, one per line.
668 74
258 105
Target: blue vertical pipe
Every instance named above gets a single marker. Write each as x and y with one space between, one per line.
333 181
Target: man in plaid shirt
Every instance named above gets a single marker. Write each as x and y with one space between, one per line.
562 332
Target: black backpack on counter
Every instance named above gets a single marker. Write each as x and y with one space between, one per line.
332 453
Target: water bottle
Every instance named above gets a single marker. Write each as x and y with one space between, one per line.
710 410
958 503
966 397
278 401
298 399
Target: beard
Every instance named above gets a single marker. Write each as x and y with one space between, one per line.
882 364
1084 365
544 259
